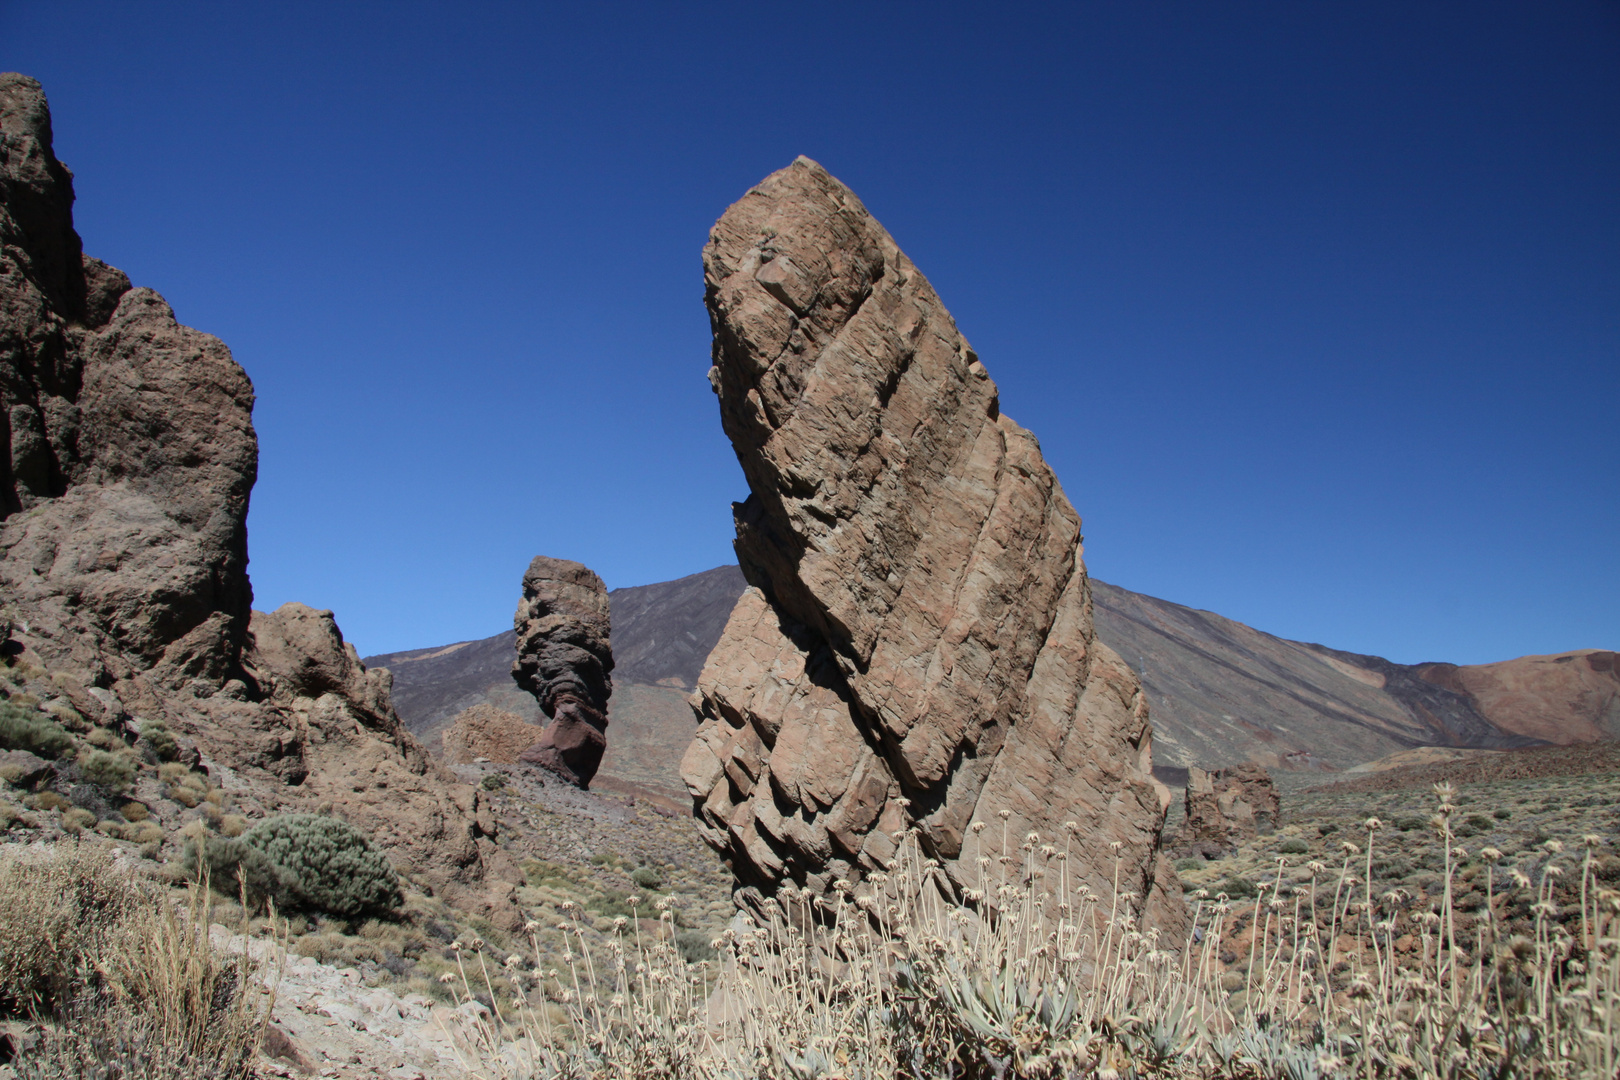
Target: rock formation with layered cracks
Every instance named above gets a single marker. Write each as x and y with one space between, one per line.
916 648
127 455
564 658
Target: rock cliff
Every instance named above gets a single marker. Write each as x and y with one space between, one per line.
127 456
565 659
917 646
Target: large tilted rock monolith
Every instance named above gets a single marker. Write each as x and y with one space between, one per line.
917 644
565 658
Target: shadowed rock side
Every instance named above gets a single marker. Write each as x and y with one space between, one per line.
127 455
564 658
918 645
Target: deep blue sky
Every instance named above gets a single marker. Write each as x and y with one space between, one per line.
1314 307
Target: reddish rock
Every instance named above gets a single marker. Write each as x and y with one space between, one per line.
917 647
487 732
1227 806
565 658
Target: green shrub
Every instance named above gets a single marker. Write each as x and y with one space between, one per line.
77 819
493 782
24 729
646 877
1293 847
1237 888
1192 862
110 771
695 946
302 861
1407 824
157 738
1501 813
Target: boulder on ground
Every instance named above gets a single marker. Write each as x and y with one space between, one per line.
490 733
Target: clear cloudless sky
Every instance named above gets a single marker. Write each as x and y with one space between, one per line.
1315 307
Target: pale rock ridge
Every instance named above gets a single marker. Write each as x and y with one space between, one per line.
564 658
918 644
127 456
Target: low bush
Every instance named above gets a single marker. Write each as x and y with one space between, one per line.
493 782
301 861
695 946
1304 981
1293 847
76 819
48 800
111 772
25 729
647 877
158 741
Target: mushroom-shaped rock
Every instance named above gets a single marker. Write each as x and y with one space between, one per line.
564 658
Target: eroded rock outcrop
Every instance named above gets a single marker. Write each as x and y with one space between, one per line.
493 734
1228 806
917 646
127 456
565 659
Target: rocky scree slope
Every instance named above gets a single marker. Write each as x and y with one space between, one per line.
127 459
916 648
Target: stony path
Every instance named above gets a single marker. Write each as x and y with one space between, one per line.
328 1023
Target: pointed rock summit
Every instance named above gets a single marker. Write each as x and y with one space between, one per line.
917 646
564 657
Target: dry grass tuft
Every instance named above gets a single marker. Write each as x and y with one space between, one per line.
126 983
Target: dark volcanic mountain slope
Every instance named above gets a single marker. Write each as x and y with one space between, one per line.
662 633
432 685
1221 692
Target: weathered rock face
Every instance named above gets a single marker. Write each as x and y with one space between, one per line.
565 659
918 644
487 732
127 455
124 527
1228 806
